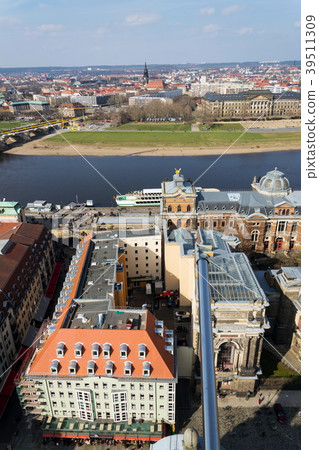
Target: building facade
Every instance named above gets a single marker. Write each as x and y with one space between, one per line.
95 361
26 264
250 104
266 219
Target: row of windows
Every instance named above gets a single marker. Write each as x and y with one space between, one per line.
179 208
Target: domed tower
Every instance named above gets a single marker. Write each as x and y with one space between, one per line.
273 183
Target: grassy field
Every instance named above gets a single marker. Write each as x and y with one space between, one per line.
151 139
15 124
273 368
221 127
154 127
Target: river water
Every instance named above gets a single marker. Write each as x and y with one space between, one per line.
62 179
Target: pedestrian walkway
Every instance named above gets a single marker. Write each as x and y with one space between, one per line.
290 399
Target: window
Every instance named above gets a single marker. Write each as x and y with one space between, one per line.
136 251
223 223
90 367
95 350
179 223
60 350
281 226
268 227
188 222
179 208
106 350
169 208
78 350
141 351
146 243
109 368
188 209
294 227
123 350
127 368
136 259
215 224
254 236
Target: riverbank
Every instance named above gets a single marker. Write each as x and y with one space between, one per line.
44 148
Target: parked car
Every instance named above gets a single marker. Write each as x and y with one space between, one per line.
182 314
183 319
280 414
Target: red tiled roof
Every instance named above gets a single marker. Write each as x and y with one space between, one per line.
161 361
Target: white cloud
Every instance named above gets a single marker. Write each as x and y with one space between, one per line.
9 20
231 9
206 11
49 27
245 30
211 28
101 30
297 24
141 19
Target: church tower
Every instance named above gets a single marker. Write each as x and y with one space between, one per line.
145 76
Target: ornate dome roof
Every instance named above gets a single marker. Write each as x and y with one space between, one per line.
273 183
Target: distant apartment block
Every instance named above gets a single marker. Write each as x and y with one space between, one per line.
162 96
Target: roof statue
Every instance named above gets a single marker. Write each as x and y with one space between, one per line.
177 171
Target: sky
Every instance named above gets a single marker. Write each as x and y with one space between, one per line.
108 32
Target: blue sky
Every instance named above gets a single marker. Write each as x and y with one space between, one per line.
108 32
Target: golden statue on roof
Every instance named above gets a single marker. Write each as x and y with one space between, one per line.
177 171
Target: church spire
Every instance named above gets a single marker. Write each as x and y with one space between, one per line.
145 76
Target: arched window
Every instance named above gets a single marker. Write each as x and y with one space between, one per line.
179 223
254 236
169 208
179 208
188 222
169 223
188 208
226 356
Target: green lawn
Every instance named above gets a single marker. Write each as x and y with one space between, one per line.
154 127
273 368
221 127
150 139
15 124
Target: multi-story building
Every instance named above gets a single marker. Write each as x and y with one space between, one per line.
265 219
238 303
239 318
26 264
252 104
143 251
10 212
96 362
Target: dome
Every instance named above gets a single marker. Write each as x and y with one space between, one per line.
273 183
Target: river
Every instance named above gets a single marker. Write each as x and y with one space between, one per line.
62 179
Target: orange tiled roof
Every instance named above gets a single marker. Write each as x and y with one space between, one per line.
155 84
161 361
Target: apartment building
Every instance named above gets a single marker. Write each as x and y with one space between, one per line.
26 263
143 252
96 362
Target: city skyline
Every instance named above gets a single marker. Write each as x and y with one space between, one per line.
70 34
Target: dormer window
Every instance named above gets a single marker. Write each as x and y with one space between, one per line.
78 350
54 366
72 367
142 351
123 351
91 367
95 350
109 368
127 368
60 350
146 369
106 350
